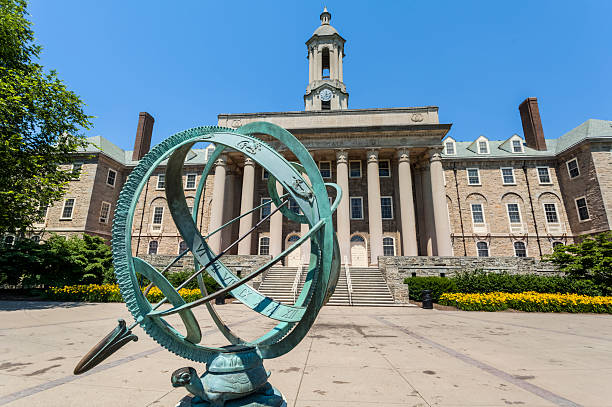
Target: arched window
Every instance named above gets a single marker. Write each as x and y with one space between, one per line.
555 244
483 249
9 240
325 63
264 245
519 249
357 238
182 246
153 247
36 238
293 238
388 246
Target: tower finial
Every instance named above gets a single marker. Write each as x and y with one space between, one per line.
325 16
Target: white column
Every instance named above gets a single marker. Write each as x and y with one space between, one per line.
340 53
332 63
217 205
343 220
276 227
374 210
246 204
310 64
440 208
409 242
317 66
430 231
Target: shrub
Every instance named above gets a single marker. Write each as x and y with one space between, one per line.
56 262
176 278
437 285
529 302
481 282
591 259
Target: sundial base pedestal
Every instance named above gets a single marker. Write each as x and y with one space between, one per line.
235 378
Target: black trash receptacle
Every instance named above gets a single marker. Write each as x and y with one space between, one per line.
426 298
220 300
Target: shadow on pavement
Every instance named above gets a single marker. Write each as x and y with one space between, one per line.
39 305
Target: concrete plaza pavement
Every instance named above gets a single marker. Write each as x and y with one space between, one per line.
393 356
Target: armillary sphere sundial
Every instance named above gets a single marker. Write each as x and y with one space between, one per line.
234 375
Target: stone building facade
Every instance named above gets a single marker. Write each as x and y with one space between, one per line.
409 189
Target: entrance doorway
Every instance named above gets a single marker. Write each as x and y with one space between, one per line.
359 251
293 258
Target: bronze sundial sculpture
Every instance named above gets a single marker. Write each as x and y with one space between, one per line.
234 375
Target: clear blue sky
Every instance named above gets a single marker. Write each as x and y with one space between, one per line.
187 61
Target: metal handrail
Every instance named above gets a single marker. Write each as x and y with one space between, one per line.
349 283
296 282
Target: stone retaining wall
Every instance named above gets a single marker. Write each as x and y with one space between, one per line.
240 265
395 268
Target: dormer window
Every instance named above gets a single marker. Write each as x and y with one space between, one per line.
483 147
449 147
517 145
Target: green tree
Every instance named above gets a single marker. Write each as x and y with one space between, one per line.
40 121
591 259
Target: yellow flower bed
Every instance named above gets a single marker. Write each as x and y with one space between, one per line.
528 301
109 293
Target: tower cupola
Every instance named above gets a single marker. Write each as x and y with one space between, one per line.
325 90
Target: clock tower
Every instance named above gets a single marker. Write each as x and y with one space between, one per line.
325 90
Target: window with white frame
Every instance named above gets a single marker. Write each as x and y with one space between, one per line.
386 207
514 213
449 148
264 245
556 243
519 249
161 180
544 175
111 177
384 168
356 207
517 145
483 147
550 210
264 173
325 169
355 169
477 213
68 209
293 238
508 175
153 245
35 238
473 175
190 181
9 240
483 249
158 215
572 168
388 246
266 209
105 212
582 209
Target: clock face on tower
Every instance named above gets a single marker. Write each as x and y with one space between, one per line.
325 95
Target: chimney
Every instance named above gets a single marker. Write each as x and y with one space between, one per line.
532 124
142 145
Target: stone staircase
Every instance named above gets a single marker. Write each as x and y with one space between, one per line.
369 287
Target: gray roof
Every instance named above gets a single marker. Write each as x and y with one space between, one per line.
591 129
99 144
325 29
